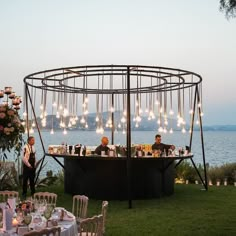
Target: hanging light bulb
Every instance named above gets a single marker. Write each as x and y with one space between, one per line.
183 130
123 132
41 116
33 124
119 125
165 130
23 123
45 113
124 113
24 114
149 118
138 119
140 111
97 130
73 122
101 130
123 120
201 114
146 110
64 131
82 121
171 131
112 109
160 129
52 131
41 106
60 107
190 131
136 125
107 125
84 105
134 119
191 111
31 131
65 112
157 102
86 100
166 122
86 125
199 104
76 118
171 112
161 109
54 104
197 122
69 125
86 112
57 115
97 119
159 121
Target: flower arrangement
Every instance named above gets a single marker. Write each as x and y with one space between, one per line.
11 128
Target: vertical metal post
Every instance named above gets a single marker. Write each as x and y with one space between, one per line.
193 115
128 140
112 119
203 150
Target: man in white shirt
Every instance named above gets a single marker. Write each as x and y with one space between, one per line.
29 166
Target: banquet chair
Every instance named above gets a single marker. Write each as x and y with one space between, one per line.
51 198
55 231
4 195
80 206
104 214
91 226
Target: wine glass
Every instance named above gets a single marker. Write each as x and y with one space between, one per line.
47 214
27 219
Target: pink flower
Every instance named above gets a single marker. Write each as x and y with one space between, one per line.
2 115
1 128
10 112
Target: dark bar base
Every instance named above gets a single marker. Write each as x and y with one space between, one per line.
106 178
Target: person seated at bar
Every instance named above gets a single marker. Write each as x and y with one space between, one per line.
103 146
161 147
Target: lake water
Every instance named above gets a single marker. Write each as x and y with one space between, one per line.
220 146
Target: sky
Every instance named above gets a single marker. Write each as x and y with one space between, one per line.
186 34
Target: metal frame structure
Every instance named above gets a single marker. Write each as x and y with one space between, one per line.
64 80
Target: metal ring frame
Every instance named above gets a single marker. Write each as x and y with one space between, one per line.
170 79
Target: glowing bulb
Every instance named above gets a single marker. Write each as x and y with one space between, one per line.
84 105
160 129
73 122
45 113
149 118
60 107
97 130
159 121
197 122
112 109
136 125
123 132
171 112
65 112
31 131
138 118
191 111
165 130
101 130
82 121
183 130
146 110
97 119
41 116
123 120
24 114
201 114
134 119
23 123
124 113
69 125
86 100
33 124
157 102
57 115
86 125
41 107
199 105
161 110
171 131
109 121
64 131
119 125
190 131
166 122
54 104
140 111
52 131
107 125
86 112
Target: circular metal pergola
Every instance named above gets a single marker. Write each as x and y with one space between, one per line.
127 88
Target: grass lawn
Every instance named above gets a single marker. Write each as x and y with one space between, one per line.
190 211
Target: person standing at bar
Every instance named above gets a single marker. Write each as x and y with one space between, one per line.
29 166
158 145
103 146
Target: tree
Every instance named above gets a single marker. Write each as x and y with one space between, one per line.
229 7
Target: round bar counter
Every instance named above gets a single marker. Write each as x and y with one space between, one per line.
106 177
